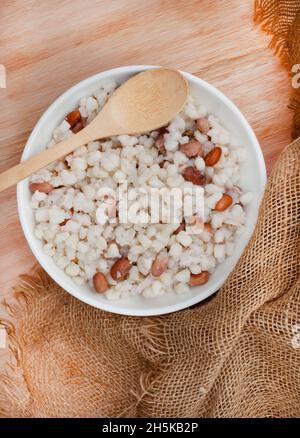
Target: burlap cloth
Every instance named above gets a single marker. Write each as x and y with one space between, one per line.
238 354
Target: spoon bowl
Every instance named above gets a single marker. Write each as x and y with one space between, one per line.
145 102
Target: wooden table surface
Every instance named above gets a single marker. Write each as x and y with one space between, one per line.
47 46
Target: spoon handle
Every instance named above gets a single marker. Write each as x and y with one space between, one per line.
28 167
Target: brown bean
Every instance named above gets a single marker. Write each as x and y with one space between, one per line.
191 149
203 125
213 156
224 202
194 175
180 228
100 282
73 117
120 269
43 187
160 141
77 127
159 266
208 228
198 279
162 163
160 144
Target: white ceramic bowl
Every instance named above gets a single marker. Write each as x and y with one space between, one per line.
253 178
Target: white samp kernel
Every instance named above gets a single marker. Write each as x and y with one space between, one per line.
219 252
42 215
72 270
200 163
113 251
184 238
175 250
219 236
183 276
196 269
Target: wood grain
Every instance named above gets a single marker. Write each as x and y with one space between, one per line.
47 47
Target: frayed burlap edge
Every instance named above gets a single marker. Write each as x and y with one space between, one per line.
281 20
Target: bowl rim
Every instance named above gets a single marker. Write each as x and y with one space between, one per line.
109 305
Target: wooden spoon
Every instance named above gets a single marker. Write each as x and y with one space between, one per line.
145 102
